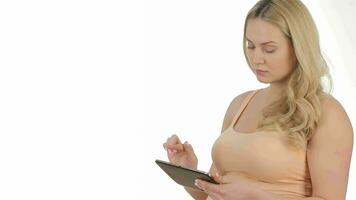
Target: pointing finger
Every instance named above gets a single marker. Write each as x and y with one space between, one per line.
173 140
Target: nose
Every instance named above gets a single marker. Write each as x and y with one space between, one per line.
256 57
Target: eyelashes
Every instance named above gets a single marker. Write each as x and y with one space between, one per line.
265 50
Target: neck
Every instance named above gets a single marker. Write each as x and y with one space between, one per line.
274 91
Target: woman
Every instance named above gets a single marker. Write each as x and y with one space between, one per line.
291 140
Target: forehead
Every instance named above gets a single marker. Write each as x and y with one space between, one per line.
259 31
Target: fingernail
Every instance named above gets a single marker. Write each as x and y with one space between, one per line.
169 151
217 174
196 183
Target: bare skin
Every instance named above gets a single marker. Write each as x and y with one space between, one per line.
270 50
329 151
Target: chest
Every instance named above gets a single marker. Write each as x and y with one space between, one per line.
261 154
249 118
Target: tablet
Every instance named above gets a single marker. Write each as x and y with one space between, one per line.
184 176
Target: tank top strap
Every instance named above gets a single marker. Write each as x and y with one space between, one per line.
243 106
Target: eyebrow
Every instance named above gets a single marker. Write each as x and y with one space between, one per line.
263 42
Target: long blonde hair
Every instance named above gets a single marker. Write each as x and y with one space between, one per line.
298 111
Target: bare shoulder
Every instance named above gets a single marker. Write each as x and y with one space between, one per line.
332 110
232 108
239 98
334 121
329 151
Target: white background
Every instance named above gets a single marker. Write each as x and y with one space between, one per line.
89 90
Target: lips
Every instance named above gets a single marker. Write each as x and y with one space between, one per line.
261 72
258 70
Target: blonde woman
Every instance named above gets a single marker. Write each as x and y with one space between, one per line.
290 140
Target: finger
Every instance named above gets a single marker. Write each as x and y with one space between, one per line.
165 146
177 147
214 196
173 140
188 147
218 178
170 152
210 188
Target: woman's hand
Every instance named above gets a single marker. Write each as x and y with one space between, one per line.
237 190
180 154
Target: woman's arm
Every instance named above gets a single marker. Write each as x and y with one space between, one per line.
328 154
196 194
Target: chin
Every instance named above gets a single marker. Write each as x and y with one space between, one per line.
263 81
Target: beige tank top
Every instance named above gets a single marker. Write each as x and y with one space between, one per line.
263 158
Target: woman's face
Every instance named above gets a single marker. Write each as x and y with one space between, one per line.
269 51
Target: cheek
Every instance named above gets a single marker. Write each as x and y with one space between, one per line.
249 56
281 63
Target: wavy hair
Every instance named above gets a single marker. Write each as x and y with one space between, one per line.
297 112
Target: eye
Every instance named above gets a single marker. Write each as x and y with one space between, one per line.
250 47
269 50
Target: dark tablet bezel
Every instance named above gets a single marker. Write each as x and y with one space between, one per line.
184 176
